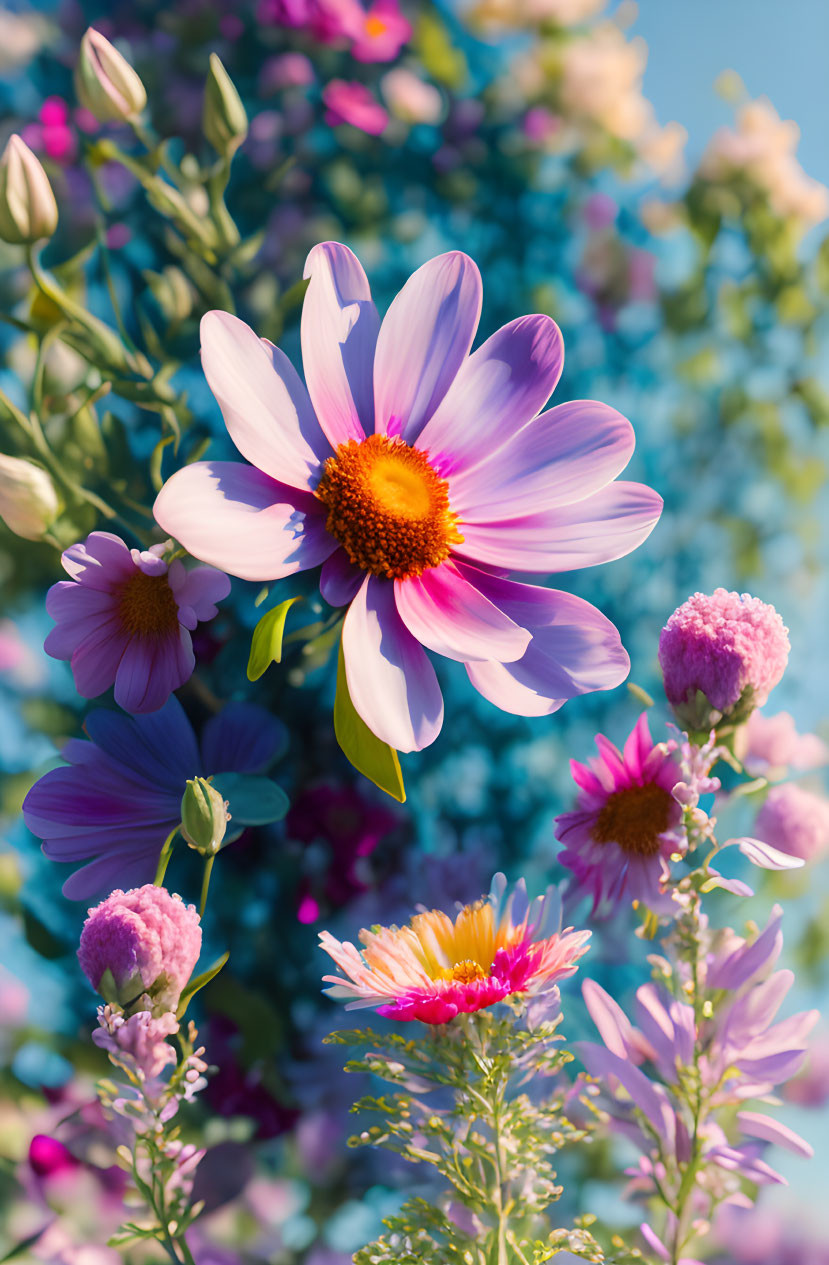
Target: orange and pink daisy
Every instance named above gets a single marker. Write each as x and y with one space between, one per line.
438 967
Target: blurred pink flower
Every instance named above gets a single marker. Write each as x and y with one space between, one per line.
794 821
353 103
382 32
410 98
770 746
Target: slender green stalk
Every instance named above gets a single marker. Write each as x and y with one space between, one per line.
164 858
205 884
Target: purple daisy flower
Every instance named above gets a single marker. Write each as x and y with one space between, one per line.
119 796
125 619
418 475
626 824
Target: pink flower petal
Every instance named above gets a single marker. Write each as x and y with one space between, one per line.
497 390
198 590
598 529
446 612
574 649
764 855
242 521
423 341
265 406
392 683
339 333
614 1027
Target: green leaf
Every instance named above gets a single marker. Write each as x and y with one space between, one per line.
641 696
252 800
375 759
21 1247
266 644
199 982
156 458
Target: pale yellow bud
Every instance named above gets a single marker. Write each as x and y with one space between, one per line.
105 82
28 500
28 210
224 120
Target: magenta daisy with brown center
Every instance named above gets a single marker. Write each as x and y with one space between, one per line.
626 824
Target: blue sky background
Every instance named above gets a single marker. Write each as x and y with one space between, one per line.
779 48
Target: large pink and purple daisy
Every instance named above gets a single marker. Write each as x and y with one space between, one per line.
419 475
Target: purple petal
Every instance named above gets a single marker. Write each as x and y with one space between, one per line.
151 668
242 521
108 872
100 561
738 967
495 393
563 456
340 580
446 612
736 1160
574 649
95 661
197 591
654 1242
160 747
614 1027
764 856
265 406
598 529
69 601
423 341
242 738
735 886
653 1105
759 1125
391 682
339 334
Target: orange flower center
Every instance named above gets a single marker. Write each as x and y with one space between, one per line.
634 818
147 606
375 26
465 972
387 507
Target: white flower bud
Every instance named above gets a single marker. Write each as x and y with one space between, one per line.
224 120
28 500
105 82
28 210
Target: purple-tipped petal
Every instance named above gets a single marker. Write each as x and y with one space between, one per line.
197 591
339 334
340 580
738 967
598 529
242 521
649 1098
391 682
758 1125
494 394
265 406
574 650
445 611
423 341
563 456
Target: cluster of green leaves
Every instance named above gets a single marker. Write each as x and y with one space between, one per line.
479 1100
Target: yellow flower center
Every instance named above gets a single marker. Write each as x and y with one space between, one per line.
465 972
634 818
388 507
147 606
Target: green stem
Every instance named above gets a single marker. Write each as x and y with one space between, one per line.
205 884
164 858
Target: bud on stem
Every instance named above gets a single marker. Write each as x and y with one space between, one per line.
105 82
28 210
28 500
224 120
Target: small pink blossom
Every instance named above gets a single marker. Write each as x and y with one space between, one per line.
382 33
138 1043
771 745
353 103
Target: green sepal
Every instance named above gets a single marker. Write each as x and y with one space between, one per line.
370 756
199 982
266 643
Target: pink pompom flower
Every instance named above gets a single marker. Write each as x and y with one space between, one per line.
795 821
437 967
721 656
141 944
626 824
419 476
125 618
